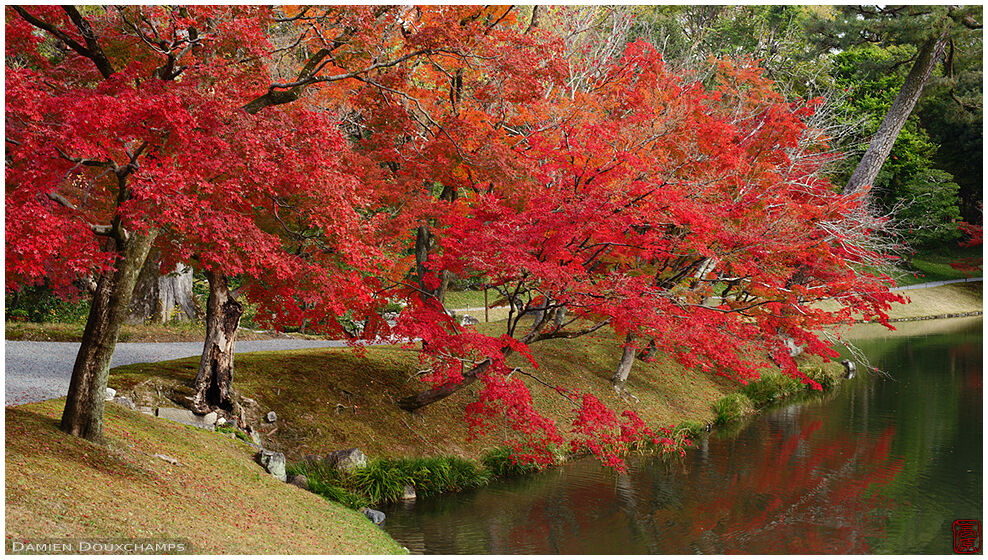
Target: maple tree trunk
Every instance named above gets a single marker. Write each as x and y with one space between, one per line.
620 376
144 301
881 144
214 380
83 414
415 402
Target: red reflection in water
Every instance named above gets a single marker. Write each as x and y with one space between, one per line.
810 492
806 493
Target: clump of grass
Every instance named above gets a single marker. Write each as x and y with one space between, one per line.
827 375
500 463
771 387
231 430
384 480
689 428
732 407
341 496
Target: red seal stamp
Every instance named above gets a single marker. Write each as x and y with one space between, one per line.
967 536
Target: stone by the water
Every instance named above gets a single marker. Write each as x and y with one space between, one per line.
377 517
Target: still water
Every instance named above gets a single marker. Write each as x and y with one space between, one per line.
880 465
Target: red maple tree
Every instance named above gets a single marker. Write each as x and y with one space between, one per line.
342 157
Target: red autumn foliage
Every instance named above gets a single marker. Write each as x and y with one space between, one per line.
692 215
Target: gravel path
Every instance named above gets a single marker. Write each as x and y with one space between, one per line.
940 283
37 371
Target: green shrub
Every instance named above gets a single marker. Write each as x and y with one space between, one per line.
827 375
380 481
770 387
499 463
39 304
732 407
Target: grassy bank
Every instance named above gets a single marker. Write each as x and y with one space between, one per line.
215 497
940 302
328 399
933 265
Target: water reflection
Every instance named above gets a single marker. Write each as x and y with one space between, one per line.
878 466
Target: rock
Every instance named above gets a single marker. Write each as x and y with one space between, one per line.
110 393
850 369
377 517
210 418
272 417
220 421
408 493
469 320
166 459
255 437
124 401
346 459
301 481
273 462
183 416
146 410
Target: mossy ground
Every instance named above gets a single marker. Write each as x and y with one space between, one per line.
217 498
334 398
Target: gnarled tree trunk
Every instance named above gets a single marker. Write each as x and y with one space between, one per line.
83 414
214 379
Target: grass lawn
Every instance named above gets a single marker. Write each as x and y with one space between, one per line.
335 398
469 298
216 497
934 265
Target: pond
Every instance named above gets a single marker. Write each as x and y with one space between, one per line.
879 465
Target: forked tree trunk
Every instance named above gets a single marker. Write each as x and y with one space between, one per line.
214 379
881 144
83 414
620 376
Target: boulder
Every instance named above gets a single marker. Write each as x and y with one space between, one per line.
469 320
272 417
346 459
850 369
273 462
183 416
300 480
221 421
210 418
124 401
146 410
408 493
110 393
377 517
